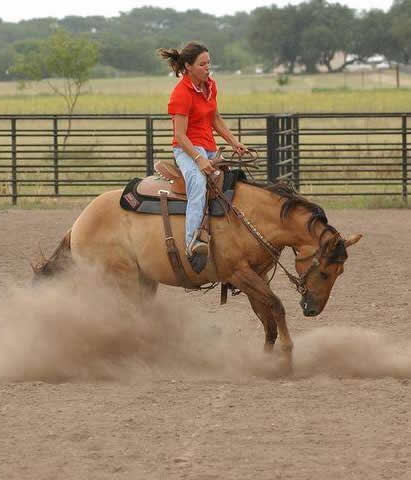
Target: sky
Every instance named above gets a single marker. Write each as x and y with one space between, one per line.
16 10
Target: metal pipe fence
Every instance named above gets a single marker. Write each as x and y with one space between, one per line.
322 154
344 154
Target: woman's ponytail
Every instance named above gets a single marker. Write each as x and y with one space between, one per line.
173 58
177 60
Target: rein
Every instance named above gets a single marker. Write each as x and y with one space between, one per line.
275 252
240 162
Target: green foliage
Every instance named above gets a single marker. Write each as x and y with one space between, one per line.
283 79
62 55
235 57
373 34
7 59
308 34
400 15
136 55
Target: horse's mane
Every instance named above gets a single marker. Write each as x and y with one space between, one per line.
293 200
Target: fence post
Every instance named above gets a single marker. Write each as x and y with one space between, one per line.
281 142
14 161
404 159
56 155
272 147
295 152
289 146
149 147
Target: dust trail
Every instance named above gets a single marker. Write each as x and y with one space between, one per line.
81 329
351 352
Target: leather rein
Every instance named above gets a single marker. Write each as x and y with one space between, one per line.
275 252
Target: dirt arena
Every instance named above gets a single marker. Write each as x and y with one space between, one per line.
91 390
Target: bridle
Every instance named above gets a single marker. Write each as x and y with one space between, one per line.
300 282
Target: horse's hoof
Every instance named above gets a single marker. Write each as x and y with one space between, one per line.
287 348
268 347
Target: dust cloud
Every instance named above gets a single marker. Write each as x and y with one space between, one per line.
79 329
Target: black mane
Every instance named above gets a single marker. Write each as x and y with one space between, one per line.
293 200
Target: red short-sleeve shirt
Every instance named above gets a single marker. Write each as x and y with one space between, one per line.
187 100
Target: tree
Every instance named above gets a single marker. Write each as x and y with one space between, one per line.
129 55
236 57
373 35
325 29
274 37
7 57
310 33
400 15
63 56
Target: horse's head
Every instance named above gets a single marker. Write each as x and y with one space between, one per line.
319 269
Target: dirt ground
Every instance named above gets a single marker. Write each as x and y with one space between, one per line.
90 389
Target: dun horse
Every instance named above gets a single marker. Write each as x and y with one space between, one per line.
130 247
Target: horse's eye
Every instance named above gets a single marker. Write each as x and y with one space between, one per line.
324 275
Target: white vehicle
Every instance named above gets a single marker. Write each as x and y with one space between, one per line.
382 66
376 59
358 66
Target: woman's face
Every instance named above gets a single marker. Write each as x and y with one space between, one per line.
200 69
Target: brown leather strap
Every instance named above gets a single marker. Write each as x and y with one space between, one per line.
172 251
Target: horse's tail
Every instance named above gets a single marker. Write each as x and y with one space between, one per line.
58 262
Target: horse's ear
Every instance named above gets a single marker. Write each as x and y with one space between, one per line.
331 244
352 240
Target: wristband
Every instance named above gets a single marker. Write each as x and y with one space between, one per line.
197 156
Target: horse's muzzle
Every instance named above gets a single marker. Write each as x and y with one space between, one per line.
308 305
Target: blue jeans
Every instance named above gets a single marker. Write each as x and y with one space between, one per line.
196 186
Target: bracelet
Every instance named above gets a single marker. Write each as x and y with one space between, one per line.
197 156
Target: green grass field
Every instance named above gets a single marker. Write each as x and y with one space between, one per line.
344 92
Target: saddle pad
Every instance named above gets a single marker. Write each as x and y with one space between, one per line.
133 201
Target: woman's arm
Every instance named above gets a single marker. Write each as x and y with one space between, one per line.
180 128
222 129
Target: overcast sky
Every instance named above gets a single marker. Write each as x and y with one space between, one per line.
16 10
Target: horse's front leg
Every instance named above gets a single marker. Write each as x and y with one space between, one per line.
267 307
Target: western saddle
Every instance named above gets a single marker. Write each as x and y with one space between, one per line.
169 179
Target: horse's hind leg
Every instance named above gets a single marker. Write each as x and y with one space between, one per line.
148 288
134 285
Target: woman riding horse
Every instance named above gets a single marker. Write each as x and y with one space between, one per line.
193 106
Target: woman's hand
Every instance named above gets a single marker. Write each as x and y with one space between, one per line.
205 165
239 148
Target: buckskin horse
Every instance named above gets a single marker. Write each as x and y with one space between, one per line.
246 244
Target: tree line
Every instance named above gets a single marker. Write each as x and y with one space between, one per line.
308 35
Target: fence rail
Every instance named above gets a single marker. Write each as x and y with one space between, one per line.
344 154
322 154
